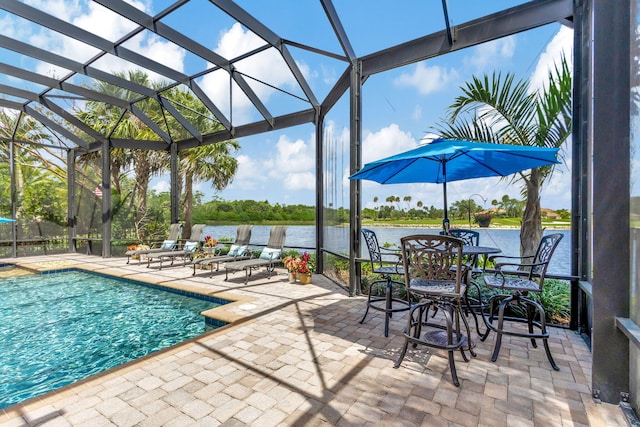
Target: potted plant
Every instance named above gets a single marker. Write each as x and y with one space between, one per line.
210 244
137 247
305 268
483 218
291 264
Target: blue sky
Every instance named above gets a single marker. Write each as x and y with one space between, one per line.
400 107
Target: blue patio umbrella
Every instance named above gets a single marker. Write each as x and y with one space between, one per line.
447 160
7 220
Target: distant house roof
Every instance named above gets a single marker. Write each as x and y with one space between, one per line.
549 213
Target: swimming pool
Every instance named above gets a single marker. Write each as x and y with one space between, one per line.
56 329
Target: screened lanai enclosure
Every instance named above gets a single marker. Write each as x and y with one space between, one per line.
88 108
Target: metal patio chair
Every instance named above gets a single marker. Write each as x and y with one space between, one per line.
387 263
527 275
473 302
434 274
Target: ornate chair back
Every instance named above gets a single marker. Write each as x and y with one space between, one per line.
433 265
469 237
542 257
383 261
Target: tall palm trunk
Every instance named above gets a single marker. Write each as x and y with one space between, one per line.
531 229
187 206
513 114
142 171
19 182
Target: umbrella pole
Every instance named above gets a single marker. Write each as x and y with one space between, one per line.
445 220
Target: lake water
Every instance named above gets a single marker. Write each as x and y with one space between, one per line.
508 240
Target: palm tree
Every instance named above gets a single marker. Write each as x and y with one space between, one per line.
27 157
213 163
407 199
199 163
375 200
109 120
504 111
390 200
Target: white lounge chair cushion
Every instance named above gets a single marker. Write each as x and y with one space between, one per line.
190 246
167 245
237 250
270 253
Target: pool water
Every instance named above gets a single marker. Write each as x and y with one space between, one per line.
56 329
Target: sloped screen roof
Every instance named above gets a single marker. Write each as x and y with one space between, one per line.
237 63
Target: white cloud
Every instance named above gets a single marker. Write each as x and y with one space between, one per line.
427 79
299 181
163 53
290 167
104 23
249 175
294 156
162 186
295 163
63 9
386 142
561 44
488 54
268 66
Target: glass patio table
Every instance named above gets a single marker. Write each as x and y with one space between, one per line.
475 251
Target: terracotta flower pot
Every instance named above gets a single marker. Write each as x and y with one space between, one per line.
304 278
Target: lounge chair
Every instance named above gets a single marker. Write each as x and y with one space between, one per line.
237 251
185 252
270 256
169 244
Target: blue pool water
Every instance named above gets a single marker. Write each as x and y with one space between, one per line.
56 329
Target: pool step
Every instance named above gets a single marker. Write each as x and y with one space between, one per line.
12 270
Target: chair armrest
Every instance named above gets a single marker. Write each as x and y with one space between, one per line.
493 258
515 264
392 251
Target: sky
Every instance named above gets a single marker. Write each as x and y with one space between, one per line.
405 104
400 107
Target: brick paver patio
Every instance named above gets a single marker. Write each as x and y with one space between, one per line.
296 355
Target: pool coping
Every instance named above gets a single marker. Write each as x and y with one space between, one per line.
221 313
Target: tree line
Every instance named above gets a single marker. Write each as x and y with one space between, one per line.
251 211
394 207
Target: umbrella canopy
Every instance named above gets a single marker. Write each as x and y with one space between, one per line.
7 220
447 160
